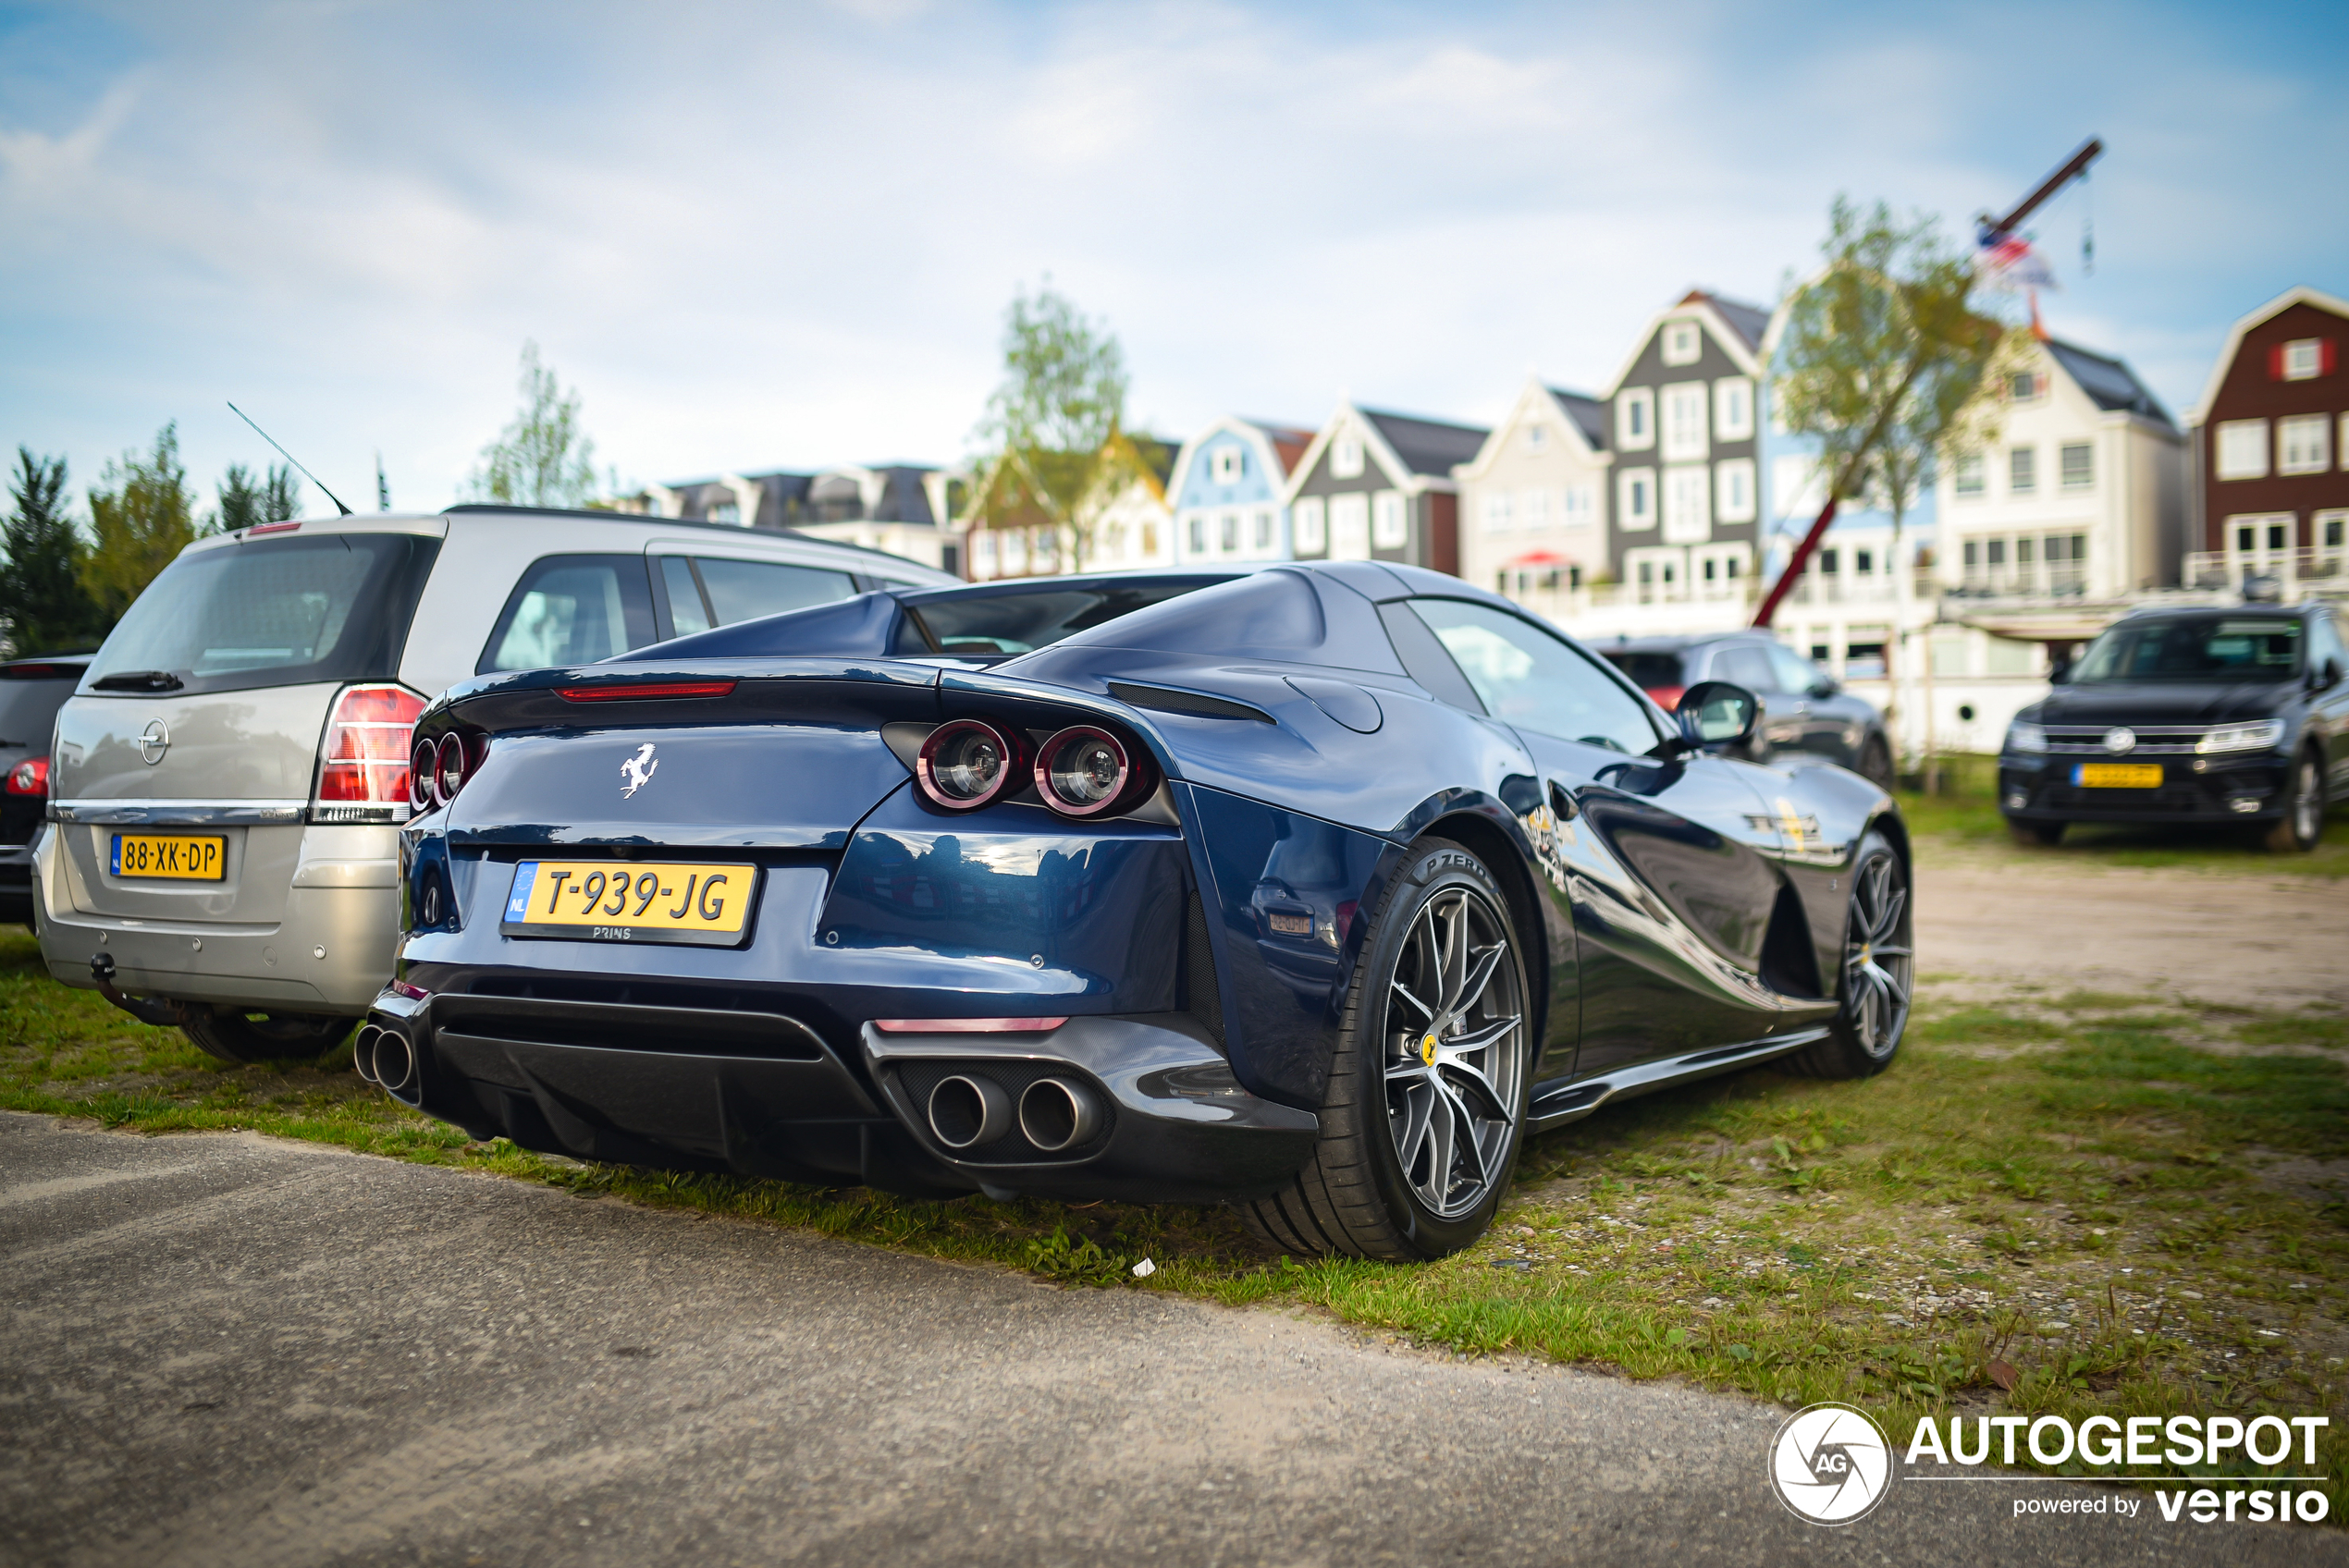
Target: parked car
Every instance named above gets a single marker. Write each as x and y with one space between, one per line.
230 776
2200 716
31 690
1314 890
1805 714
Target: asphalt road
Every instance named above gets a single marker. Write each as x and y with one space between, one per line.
220 1348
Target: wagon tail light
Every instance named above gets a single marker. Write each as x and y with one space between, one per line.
30 777
363 776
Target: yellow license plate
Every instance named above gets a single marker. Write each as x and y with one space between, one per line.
2117 774
630 902
186 857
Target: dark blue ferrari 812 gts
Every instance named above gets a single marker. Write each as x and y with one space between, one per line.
1312 890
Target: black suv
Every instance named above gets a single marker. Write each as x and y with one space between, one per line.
31 690
1802 708
2201 716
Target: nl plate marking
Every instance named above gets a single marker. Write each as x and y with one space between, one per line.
631 901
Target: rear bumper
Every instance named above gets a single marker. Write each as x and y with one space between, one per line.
763 1094
330 953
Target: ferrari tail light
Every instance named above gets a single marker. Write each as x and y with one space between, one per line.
442 767
363 776
1084 771
969 763
30 777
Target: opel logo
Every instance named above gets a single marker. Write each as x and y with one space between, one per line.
153 742
2120 740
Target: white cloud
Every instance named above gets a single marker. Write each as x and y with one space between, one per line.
753 235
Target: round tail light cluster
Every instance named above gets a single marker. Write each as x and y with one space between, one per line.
1081 771
439 768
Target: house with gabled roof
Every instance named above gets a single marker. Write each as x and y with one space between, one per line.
1533 498
2081 492
2270 448
1227 493
1683 414
891 507
1378 485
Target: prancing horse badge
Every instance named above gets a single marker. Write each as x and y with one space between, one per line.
638 769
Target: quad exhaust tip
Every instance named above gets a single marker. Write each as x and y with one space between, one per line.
362 1053
1055 1114
966 1111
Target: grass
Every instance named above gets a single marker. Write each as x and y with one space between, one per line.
1964 816
2049 1205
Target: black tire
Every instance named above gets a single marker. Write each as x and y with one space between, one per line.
1875 763
240 1040
2033 835
2303 822
1878 978
1364 1191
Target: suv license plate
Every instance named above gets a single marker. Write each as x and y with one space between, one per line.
2117 774
630 902
186 857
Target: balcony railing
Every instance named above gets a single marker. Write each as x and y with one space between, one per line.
2322 569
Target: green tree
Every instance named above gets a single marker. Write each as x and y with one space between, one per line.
142 516
543 458
281 496
1051 419
41 598
1884 353
273 496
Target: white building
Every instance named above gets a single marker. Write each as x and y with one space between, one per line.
1533 500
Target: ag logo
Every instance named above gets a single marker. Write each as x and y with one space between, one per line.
638 770
1831 1464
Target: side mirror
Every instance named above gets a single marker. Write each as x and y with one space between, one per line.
2061 675
1716 713
1824 687
2329 676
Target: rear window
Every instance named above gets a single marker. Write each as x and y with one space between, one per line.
571 609
1649 672
987 623
29 698
710 591
270 612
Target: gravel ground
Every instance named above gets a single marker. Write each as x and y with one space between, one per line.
220 1348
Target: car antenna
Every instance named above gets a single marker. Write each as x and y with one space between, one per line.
291 458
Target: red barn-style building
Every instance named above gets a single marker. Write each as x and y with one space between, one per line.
2271 448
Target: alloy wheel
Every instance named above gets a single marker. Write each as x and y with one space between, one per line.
1454 1052
1878 958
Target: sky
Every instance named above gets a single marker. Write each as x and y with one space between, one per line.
783 236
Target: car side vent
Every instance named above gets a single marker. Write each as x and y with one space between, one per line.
1789 966
1203 998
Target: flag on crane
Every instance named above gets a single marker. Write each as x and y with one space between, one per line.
2007 261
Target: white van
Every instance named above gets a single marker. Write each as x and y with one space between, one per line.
227 781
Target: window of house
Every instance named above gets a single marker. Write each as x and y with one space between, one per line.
1346 457
2025 386
1537 508
1635 419
1733 409
2304 443
2243 448
1228 464
2023 470
1966 474
2077 459
1635 499
1496 512
1733 490
1864 563
727 511
1537 436
1971 554
2341 446
2303 359
1684 439
1688 503
1312 533
1994 552
1199 537
1581 506
1228 532
1682 343
1350 527
1014 552
983 552
1390 525
1830 562
1264 531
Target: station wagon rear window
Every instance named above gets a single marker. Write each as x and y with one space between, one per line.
269 612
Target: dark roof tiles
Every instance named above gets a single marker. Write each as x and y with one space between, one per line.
2108 382
1588 414
1427 445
